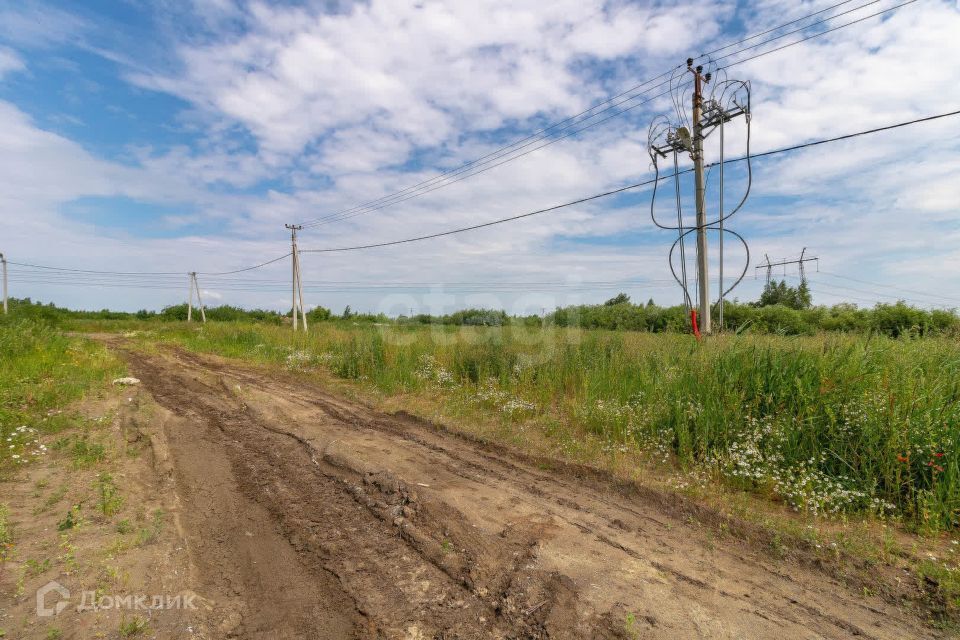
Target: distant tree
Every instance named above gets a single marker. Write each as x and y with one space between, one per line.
174 312
804 298
346 312
319 314
780 293
621 298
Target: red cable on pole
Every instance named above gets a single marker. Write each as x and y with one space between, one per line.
694 324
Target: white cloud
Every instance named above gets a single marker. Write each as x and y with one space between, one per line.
10 62
421 72
34 24
337 102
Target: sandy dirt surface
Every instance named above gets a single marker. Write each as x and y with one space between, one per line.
138 551
309 516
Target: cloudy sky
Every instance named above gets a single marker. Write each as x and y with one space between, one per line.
176 136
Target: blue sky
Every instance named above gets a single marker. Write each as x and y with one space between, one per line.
182 135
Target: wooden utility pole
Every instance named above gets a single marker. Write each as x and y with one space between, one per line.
702 264
4 262
190 299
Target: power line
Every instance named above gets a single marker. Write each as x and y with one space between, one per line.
256 266
145 273
822 33
853 135
890 286
119 273
354 283
832 289
613 286
470 168
491 166
628 187
501 220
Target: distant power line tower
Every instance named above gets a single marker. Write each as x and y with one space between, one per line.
727 100
783 263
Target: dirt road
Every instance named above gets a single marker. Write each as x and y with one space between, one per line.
309 516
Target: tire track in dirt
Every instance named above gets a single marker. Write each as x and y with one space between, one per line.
410 532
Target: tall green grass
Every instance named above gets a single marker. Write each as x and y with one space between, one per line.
41 372
827 424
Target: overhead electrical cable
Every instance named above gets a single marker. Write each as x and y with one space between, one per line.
629 187
839 289
241 270
889 286
489 167
893 296
146 273
501 220
817 35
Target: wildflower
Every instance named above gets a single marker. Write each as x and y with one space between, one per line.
905 459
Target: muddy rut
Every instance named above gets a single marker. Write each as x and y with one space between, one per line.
310 516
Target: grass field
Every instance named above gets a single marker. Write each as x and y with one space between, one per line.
42 371
827 424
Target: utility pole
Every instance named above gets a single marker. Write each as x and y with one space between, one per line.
702 264
297 283
669 136
3 261
195 287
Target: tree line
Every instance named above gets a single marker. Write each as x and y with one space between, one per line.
781 309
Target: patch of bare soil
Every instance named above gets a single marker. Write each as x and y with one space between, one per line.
309 516
107 545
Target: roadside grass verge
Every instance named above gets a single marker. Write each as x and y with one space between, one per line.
42 372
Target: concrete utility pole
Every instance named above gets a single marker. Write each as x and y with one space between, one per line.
4 262
303 311
297 283
702 265
194 286
673 137
190 299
